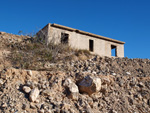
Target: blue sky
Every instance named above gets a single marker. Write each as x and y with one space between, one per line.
125 20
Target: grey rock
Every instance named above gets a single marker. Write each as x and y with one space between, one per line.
90 85
47 92
32 105
24 106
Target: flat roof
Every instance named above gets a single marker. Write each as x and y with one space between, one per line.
86 33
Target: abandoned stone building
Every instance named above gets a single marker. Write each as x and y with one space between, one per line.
78 39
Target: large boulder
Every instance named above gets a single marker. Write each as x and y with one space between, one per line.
90 85
72 89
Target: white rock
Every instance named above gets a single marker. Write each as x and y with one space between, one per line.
73 90
73 87
17 87
106 80
26 89
114 74
94 72
67 82
141 84
41 111
113 111
34 94
1 82
90 85
89 71
29 72
4 105
37 101
128 73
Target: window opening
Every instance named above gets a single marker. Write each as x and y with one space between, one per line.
113 50
91 45
64 38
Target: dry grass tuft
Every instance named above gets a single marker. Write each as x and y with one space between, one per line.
33 54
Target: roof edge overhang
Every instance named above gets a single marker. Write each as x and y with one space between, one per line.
86 33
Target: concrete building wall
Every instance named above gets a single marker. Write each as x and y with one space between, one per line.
119 49
43 33
81 41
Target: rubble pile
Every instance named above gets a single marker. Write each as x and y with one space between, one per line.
78 89
96 85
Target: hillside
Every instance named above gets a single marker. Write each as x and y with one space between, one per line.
57 79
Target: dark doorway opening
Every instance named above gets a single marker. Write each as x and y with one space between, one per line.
64 38
113 50
91 45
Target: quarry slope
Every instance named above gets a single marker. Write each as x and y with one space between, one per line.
55 87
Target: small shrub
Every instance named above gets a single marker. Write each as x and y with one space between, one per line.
33 54
82 52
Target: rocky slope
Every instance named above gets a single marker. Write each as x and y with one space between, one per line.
94 85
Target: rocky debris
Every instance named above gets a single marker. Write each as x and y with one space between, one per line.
125 84
58 92
90 85
34 94
72 89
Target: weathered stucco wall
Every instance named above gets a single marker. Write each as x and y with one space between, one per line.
119 48
81 41
43 33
